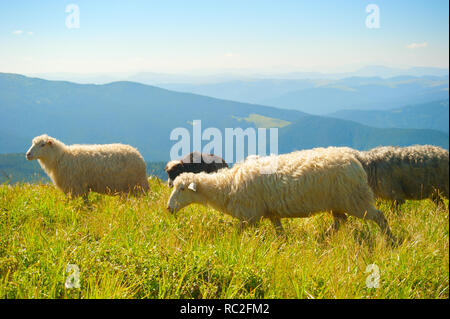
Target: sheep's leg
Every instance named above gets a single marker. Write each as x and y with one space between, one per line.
397 203
75 192
278 226
84 195
244 224
338 218
73 195
437 199
140 190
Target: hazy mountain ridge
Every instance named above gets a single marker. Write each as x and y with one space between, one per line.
379 96
329 131
124 112
144 116
433 115
370 87
160 79
323 96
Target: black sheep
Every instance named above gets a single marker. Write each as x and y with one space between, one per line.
194 162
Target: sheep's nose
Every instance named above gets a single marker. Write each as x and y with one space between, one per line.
28 155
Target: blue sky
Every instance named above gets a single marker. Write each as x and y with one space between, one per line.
192 36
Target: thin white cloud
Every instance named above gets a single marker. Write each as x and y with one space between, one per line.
30 33
17 32
415 45
230 55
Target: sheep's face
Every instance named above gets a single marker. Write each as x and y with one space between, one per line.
183 194
40 147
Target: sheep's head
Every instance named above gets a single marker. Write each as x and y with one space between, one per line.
173 169
185 192
41 147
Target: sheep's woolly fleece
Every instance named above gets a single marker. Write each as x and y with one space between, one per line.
298 184
400 173
77 169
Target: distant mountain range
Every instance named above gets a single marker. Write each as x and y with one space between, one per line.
317 131
368 88
323 96
159 79
387 72
433 115
126 112
144 116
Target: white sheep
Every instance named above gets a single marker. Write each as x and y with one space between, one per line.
78 169
413 172
298 184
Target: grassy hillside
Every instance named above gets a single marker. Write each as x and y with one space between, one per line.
260 121
132 248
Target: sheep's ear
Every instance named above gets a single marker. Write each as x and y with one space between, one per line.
49 142
193 187
173 164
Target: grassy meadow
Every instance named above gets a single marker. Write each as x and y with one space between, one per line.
132 248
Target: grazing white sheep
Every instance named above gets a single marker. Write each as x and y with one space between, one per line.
413 172
78 169
302 183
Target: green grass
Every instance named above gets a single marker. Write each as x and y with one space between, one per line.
132 248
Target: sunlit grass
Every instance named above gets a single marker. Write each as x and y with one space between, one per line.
132 248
